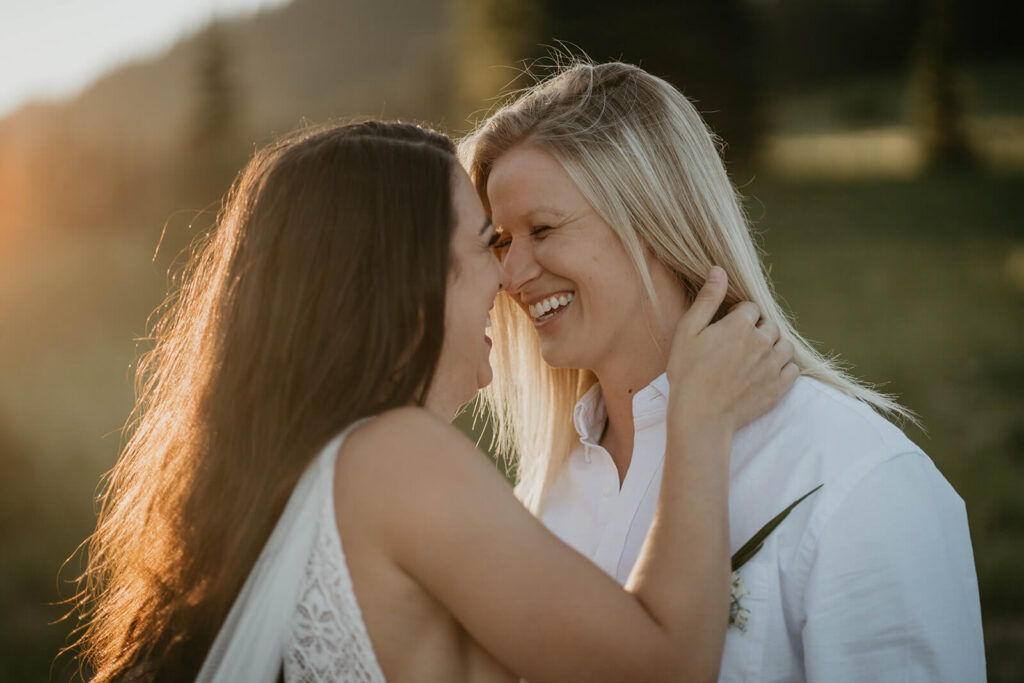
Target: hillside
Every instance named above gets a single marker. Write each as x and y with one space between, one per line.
311 60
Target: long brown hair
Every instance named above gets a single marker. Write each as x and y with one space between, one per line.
317 299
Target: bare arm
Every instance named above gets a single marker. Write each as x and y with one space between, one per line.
446 518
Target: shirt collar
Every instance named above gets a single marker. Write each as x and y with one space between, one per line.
649 407
589 414
651 403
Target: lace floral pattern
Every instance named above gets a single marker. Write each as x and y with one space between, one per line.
327 640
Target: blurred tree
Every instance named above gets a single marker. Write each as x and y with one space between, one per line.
937 92
492 37
710 51
214 151
816 43
988 29
819 42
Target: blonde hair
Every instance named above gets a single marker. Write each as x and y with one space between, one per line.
647 163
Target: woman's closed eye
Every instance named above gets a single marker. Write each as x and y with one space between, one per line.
540 230
501 241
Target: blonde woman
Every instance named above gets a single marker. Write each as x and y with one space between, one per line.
612 205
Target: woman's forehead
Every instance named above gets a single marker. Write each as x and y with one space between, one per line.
527 184
544 211
523 162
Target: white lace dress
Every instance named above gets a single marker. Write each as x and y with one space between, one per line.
297 605
327 639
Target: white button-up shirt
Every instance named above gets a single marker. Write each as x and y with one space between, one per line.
869 579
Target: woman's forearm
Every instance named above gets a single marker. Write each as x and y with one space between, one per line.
682 574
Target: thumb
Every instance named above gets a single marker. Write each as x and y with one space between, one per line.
708 300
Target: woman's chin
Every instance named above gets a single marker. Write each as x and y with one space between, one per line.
555 358
467 392
484 377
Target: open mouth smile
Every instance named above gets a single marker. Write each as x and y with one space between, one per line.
549 307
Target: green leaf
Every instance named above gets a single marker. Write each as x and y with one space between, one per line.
751 547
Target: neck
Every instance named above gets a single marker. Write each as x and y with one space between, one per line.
618 387
441 404
635 364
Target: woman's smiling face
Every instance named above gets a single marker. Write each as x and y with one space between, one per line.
564 264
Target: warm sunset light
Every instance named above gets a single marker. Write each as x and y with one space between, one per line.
230 229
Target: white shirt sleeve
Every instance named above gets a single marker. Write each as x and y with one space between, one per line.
891 592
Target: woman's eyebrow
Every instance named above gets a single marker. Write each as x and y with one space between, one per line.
546 211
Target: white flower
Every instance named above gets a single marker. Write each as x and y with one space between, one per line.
739 589
738 615
742 617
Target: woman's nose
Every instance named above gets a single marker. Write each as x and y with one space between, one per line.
519 266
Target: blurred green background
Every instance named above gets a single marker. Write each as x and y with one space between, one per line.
879 144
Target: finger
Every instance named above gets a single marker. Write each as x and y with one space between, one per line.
783 352
707 301
790 373
768 329
746 310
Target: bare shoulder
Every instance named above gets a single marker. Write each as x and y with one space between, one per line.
406 464
400 439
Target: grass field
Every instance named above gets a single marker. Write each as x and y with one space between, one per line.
920 287
918 284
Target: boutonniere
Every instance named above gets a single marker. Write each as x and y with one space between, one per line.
738 614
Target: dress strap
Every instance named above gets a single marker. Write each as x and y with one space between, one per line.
250 643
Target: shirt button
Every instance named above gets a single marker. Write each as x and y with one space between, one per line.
607 491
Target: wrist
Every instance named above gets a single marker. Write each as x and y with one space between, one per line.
694 416
696 439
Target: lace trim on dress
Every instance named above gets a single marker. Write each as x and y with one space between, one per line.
327 639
